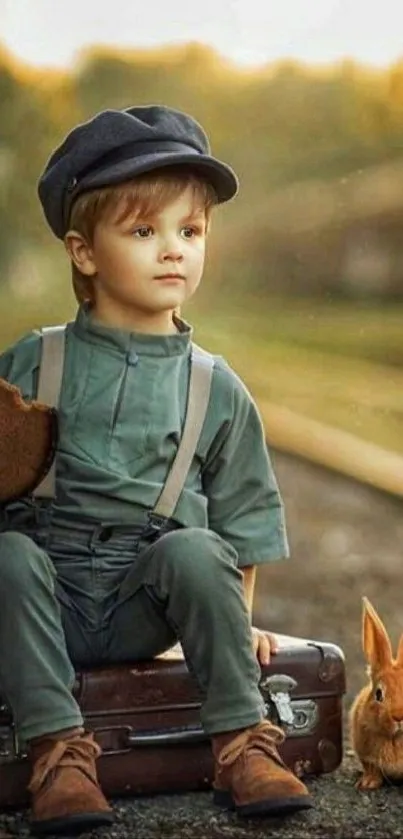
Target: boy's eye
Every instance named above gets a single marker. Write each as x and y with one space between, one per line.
143 232
189 231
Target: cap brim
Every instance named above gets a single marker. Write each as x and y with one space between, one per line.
221 176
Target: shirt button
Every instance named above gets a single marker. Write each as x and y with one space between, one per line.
105 534
132 358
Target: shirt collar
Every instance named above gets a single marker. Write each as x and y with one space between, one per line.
123 341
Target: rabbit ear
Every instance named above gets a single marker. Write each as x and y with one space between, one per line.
399 657
375 639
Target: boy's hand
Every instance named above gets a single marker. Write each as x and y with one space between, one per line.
265 644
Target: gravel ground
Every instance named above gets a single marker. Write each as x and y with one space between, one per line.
346 541
340 812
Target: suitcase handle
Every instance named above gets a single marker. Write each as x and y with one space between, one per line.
167 737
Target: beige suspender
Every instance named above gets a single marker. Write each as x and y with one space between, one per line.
49 384
48 391
198 398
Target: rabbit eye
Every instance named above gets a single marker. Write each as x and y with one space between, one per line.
379 695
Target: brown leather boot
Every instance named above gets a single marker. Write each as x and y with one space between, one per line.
66 797
250 776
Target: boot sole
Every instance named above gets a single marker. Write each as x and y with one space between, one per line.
267 807
69 825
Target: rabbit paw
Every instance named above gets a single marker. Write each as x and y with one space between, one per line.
371 778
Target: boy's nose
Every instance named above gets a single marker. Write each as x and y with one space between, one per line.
173 254
171 248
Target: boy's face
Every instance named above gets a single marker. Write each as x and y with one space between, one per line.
144 268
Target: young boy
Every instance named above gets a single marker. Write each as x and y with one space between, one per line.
83 579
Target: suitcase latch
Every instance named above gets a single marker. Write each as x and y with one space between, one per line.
298 716
278 688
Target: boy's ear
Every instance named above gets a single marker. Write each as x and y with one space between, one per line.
80 252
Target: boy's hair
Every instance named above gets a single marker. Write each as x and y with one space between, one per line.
143 196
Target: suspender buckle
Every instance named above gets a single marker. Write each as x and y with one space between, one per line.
156 526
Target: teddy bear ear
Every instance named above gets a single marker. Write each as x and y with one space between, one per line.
28 439
375 640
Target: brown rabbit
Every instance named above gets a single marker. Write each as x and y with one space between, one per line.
376 715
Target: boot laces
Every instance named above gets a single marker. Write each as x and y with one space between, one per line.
74 753
264 737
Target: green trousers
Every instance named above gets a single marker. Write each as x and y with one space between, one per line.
85 597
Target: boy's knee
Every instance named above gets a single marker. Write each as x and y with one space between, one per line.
197 550
19 558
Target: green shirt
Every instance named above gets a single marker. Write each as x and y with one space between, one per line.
121 413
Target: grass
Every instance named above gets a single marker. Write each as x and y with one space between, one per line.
341 363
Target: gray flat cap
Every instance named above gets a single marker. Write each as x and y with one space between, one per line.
115 146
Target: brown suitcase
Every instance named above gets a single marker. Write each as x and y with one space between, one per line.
146 718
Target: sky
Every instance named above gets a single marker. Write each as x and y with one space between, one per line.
249 32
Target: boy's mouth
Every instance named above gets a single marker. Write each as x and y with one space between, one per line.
170 276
